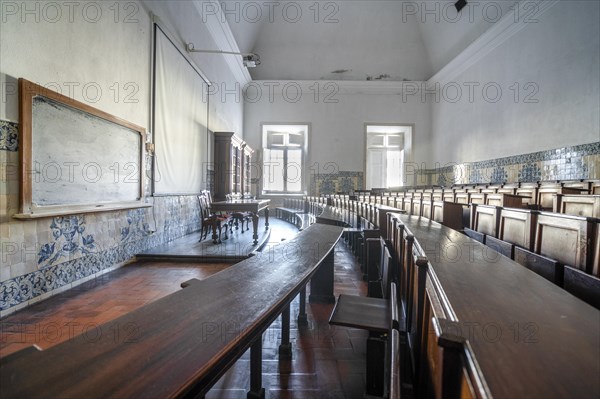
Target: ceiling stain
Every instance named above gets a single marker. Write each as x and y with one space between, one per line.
341 71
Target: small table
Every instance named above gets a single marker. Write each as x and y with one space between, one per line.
245 205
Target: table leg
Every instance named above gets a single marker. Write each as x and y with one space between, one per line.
321 284
266 218
214 229
285 348
302 319
256 389
255 227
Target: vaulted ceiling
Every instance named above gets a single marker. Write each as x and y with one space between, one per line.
357 40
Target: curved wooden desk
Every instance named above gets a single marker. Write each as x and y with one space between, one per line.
531 338
181 344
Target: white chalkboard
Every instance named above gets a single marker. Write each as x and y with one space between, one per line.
76 158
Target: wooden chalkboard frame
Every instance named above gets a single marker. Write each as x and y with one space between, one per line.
27 207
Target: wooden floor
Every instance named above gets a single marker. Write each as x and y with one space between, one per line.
327 362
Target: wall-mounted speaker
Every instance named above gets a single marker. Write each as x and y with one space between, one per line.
460 4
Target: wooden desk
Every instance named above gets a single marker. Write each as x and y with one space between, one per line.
530 337
252 206
179 345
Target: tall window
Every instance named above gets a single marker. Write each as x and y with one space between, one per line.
284 152
385 156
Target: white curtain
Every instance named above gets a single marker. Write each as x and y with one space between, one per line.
180 130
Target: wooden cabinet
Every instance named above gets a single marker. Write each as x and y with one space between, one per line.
232 159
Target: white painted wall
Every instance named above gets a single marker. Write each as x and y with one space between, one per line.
446 32
72 53
185 20
337 129
60 50
309 40
559 56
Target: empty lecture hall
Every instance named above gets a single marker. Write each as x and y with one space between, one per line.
300 199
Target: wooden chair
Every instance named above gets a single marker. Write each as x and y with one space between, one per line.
548 268
212 222
584 286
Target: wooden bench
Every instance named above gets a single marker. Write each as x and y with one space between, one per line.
185 341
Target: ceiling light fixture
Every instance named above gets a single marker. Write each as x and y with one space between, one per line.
251 60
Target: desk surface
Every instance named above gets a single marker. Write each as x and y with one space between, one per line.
530 337
184 340
241 205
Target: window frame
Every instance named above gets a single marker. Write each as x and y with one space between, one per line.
303 159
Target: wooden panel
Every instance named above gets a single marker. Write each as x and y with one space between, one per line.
426 208
478 198
578 205
517 227
546 195
447 213
485 219
568 239
416 207
507 200
461 197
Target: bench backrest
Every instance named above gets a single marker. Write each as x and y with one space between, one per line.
505 248
548 268
475 235
584 286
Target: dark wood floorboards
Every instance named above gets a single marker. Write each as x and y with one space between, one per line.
327 362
